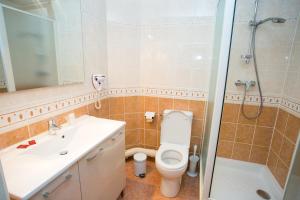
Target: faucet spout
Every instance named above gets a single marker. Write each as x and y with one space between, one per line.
53 127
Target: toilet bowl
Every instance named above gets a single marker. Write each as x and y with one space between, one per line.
171 159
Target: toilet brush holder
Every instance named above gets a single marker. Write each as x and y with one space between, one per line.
193 166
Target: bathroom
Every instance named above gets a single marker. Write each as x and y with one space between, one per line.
91 90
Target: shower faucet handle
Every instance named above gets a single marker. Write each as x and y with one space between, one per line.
246 84
246 58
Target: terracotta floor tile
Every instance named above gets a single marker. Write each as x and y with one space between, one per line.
149 187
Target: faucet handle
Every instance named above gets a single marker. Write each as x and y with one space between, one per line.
52 122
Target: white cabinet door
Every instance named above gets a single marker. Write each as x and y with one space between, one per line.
65 187
102 172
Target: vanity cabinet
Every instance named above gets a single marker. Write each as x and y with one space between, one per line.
65 187
100 175
102 171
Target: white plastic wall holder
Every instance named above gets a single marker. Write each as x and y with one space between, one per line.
98 81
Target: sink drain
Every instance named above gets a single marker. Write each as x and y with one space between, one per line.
263 194
63 153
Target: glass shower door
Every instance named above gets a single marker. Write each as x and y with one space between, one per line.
222 42
292 188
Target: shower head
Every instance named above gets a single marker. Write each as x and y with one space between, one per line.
273 19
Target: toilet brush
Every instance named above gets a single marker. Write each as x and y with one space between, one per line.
193 163
195 149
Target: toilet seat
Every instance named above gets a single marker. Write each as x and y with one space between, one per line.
172 157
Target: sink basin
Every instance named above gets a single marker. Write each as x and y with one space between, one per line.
55 146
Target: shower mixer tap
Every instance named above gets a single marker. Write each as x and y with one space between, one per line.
246 84
246 58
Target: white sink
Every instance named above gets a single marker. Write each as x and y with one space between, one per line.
42 162
55 145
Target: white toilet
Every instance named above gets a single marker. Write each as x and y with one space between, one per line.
171 159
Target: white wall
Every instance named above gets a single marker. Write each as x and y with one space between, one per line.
95 61
292 82
273 44
123 35
155 43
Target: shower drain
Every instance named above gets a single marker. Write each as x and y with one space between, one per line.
263 194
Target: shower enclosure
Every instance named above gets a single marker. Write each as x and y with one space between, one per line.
252 126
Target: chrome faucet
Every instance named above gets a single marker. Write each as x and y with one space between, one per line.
52 127
246 84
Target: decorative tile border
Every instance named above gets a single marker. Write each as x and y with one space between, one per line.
290 106
268 100
161 92
12 118
285 103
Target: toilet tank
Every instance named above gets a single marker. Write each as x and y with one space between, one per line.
176 127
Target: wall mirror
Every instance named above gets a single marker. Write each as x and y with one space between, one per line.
40 43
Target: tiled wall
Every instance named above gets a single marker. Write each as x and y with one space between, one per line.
268 140
274 45
157 47
283 145
243 139
130 109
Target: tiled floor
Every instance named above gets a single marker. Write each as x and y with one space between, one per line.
148 188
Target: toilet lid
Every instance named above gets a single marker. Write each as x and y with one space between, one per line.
176 128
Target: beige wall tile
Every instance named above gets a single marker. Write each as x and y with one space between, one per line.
38 127
62 118
287 151
197 128
292 128
153 124
151 138
131 104
195 141
103 112
241 151
116 105
131 137
225 149
141 104
13 137
117 117
259 154
180 104
244 134
198 109
263 136
227 131
281 120
141 136
230 112
140 120
131 121
276 142
164 104
250 111
281 173
267 117
81 111
272 162
151 104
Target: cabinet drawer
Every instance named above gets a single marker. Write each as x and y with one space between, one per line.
64 187
102 172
